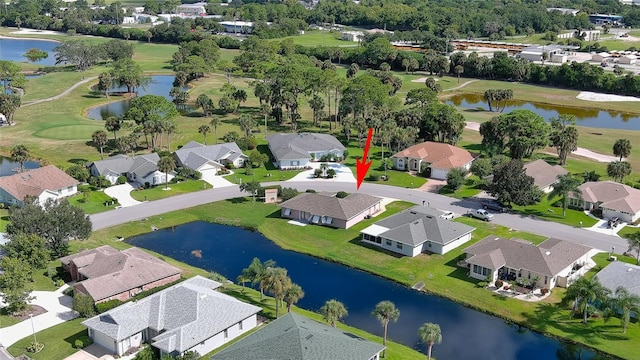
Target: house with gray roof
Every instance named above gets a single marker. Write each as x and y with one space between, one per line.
614 199
417 230
619 273
105 273
209 159
295 151
294 336
552 263
140 168
189 316
544 174
328 210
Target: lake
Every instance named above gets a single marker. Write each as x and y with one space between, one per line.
467 334
7 166
13 49
590 117
160 85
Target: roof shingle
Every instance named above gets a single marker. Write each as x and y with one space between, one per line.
327 205
34 182
439 155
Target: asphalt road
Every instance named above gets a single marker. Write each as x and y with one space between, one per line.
513 221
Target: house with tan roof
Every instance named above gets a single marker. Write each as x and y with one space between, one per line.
552 263
544 174
417 230
328 210
189 316
105 273
438 157
47 182
614 199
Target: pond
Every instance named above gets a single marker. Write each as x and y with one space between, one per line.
466 333
159 85
7 166
584 116
14 49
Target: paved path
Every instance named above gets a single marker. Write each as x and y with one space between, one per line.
64 93
58 308
472 125
460 86
123 194
513 221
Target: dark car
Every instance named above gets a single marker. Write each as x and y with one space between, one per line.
494 205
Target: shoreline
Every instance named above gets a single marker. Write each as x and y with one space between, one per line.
29 38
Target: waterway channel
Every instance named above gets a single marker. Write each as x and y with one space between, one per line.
467 334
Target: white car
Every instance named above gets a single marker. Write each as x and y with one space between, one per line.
447 215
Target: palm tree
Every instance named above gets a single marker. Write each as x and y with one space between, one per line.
622 148
565 185
246 123
265 110
204 130
113 125
333 310
277 282
99 138
585 291
459 69
201 102
166 164
215 121
633 239
627 303
384 312
256 271
20 154
431 334
293 295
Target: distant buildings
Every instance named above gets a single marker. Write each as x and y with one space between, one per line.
237 27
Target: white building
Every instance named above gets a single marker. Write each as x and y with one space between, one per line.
354 36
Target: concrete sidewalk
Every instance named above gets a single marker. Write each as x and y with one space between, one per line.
58 308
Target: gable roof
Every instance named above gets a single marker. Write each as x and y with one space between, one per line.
141 165
417 225
34 182
543 173
439 155
110 272
323 204
193 155
187 314
144 165
611 195
619 273
294 336
298 146
548 258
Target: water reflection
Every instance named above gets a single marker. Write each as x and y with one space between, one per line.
13 49
590 117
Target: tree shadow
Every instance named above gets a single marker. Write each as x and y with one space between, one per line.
77 161
239 200
71 339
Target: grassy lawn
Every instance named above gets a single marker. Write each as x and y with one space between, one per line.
161 192
94 203
58 341
4 219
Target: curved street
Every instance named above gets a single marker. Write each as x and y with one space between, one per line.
514 221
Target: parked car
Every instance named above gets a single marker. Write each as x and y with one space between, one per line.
447 215
495 205
481 214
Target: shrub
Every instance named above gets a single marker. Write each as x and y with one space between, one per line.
147 185
455 178
78 172
288 193
52 273
82 342
544 291
331 173
230 166
317 173
248 171
188 173
122 179
107 305
175 179
342 194
310 191
374 177
499 283
59 283
35 347
83 304
345 154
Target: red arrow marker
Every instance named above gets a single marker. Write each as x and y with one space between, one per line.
362 165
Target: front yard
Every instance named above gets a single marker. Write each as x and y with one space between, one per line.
93 202
161 192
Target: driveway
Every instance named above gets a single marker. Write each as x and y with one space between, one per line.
123 194
58 308
215 180
91 352
343 173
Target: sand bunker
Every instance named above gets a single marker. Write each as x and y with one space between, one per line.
591 96
423 79
36 32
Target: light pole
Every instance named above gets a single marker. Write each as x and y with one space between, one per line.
33 328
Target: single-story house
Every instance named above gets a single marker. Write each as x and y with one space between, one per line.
294 151
417 230
210 158
189 316
614 199
619 273
628 59
47 182
544 175
329 210
439 157
552 263
600 57
141 169
353 36
294 336
105 273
